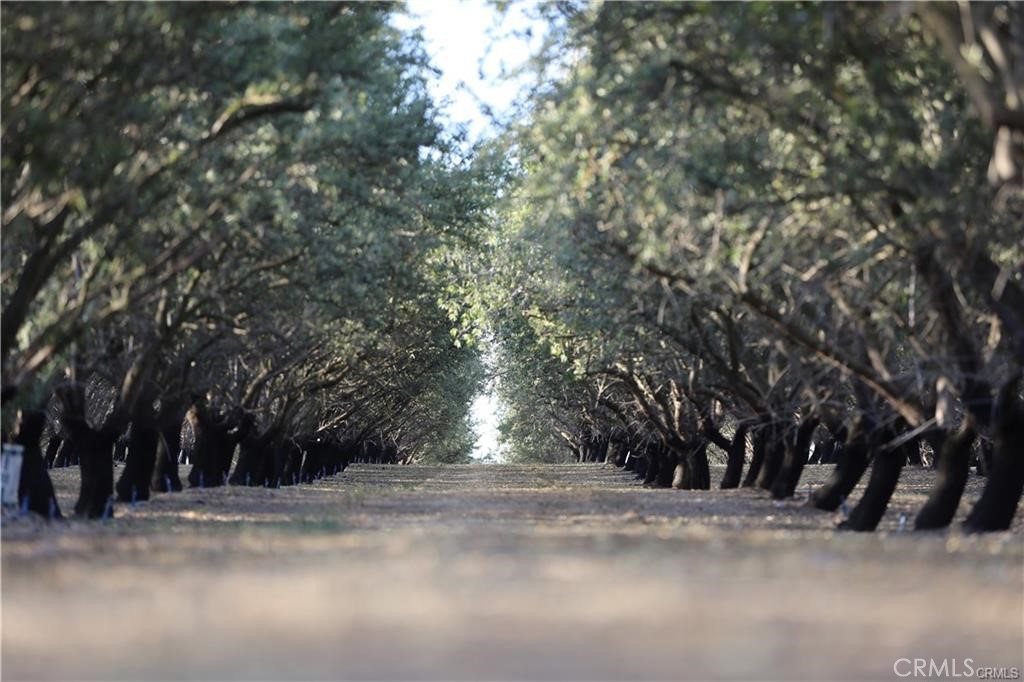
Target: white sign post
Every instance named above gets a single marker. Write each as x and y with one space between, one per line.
10 473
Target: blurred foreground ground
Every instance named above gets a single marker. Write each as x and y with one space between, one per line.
500 572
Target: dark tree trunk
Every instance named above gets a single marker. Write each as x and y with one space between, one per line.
369 452
588 449
653 461
689 467
137 474
631 461
165 471
169 421
757 459
313 463
953 467
213 447
334 457
35 489
737 454
885 474
292 462
95 450
275 459
390 452
667 461
226 458
914 453
265 471
619 453
251 467
853 461
998 503
775 450
701 468
797 443
287 461
235 428
168 447
618 447
204 454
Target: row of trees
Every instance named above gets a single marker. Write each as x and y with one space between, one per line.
757 226
236 217
780 224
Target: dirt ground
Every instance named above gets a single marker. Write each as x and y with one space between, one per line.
490 572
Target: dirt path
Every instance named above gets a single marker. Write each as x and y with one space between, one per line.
499 572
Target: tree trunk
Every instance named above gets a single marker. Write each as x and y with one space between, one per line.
265 471
851 464
667 461
95 450
133 485
775 449
292 462
334 457
953 463
796 446
914 454
652 459
35 489
212 447
618 448
619 453
737 453
252 453
141 441
885 474
313 461
165 471
701 468
756 460
998 503
631 462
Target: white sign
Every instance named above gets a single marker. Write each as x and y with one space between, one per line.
10 473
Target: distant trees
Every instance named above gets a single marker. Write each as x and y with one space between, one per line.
236 215
785 222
